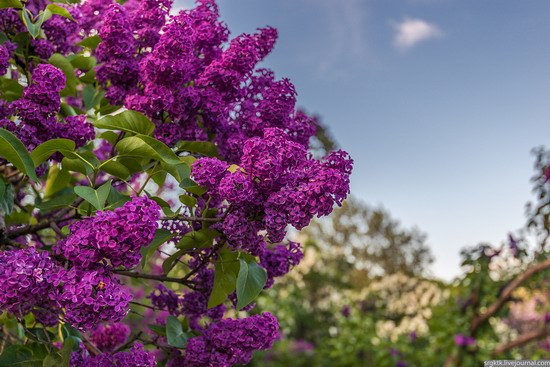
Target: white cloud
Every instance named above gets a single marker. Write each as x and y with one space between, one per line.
411 32
342 39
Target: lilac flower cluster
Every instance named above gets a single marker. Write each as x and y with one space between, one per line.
61 33
93 296
109 336
147 18
116 236
278 260
278 184
10 23
4 60
232 341
37 111
33 281
192 304
28 278
135 357
92 13
118 70
462 340
189 86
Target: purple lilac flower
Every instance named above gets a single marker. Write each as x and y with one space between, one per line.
147 19
93 296
118 71
10 22
116 235
37 111
302 346
280 184
63 33
278 260
4 60
462 340
109 336
346 311
232 341
135 357
29 278
92 14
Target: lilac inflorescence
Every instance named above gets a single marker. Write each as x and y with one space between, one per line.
232 341
4 60
109 336
279 260
135 357
119 69
278 184
116 236
93 296
147 19
29 278
37 111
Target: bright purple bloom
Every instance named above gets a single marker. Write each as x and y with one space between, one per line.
462 340
4 60
92 296
28 281
278 260
135 357
109 336
116 235
232 341
118 71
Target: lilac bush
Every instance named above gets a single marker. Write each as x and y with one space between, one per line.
150 172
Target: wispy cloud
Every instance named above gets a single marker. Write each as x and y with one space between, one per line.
410 32
343 36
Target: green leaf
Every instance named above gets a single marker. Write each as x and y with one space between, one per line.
225 277
144 146
90 42
95 197
188 201
198 239
191 186
161 236
10 89
15 355
175 335
128 121
250 282
75 165
157 329
45 150
202 147
68 346
56 9
84 62
116 169
4 4
167 265
116 199
33 29
15 152
58 179
52 360
62 63
7 198
62 201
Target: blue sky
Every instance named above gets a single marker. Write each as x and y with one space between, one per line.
438 101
